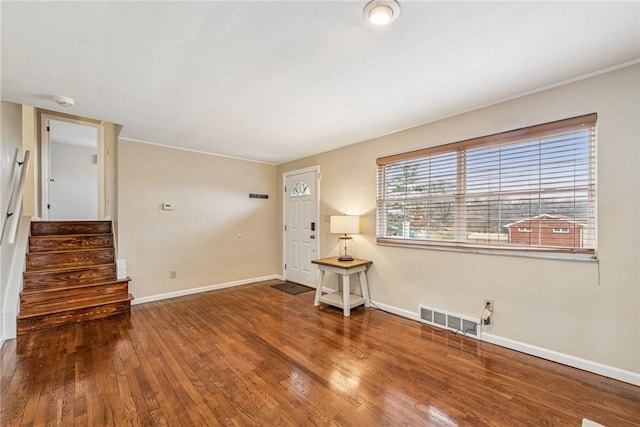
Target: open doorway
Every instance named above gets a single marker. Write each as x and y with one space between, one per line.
71 178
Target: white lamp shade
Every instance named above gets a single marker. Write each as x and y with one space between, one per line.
345 224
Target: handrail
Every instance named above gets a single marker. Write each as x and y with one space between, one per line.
10 223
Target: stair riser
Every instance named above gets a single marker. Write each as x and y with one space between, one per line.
51 243
35 301
41 228
89 275
49 261
48 321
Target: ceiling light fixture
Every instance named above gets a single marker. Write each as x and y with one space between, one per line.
64 101
381 12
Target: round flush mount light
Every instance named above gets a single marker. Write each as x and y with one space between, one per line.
64 101
381 12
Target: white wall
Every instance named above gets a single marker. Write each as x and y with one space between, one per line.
74 194
216 235
583 311
10 139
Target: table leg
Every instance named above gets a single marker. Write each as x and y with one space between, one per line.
319 281
364 287
345 295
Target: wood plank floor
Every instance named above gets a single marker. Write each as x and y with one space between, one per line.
256 356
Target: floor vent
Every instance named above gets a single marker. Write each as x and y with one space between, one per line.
451 321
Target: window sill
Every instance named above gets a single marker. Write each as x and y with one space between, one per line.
512 253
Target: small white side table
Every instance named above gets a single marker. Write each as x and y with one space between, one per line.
347 300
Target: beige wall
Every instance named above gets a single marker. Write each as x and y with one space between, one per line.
199 239
586 310
29 143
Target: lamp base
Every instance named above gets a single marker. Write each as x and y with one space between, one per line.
345 258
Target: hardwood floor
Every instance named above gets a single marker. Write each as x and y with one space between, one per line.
256 356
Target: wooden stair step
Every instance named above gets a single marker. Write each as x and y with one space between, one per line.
73 306
75 285
70 276
40 228
51 299
69 242
34 280
63 259
26 324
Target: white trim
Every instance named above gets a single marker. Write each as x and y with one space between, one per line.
10 325
554 356
565 359
192 291
395 310
45 165
174 147
554 256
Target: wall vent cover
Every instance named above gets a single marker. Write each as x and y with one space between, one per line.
451 321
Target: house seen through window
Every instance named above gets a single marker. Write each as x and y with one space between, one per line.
530 189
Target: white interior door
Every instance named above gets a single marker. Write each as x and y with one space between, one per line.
301 226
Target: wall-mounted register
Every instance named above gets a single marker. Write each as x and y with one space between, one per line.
258 196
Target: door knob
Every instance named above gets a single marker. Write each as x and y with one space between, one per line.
313 236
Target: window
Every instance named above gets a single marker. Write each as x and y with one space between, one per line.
485 192
300 189
561 230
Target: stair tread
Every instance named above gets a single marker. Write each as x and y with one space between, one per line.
53 308
67 251
67 269
70 275
66 236
80 286
53 228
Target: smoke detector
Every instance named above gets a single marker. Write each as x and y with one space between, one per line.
64 101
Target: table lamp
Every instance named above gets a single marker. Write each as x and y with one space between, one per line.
345 224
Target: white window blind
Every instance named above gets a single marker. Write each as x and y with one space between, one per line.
480 193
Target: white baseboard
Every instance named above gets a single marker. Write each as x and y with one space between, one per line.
159 297
565 359
9 321
395 310
554 356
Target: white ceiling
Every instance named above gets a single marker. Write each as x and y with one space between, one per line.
276 81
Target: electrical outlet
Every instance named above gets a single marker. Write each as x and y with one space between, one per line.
487 312
488 304
173 274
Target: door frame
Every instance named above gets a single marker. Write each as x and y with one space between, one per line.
45 161
285 175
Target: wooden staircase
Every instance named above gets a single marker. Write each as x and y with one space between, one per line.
70 276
